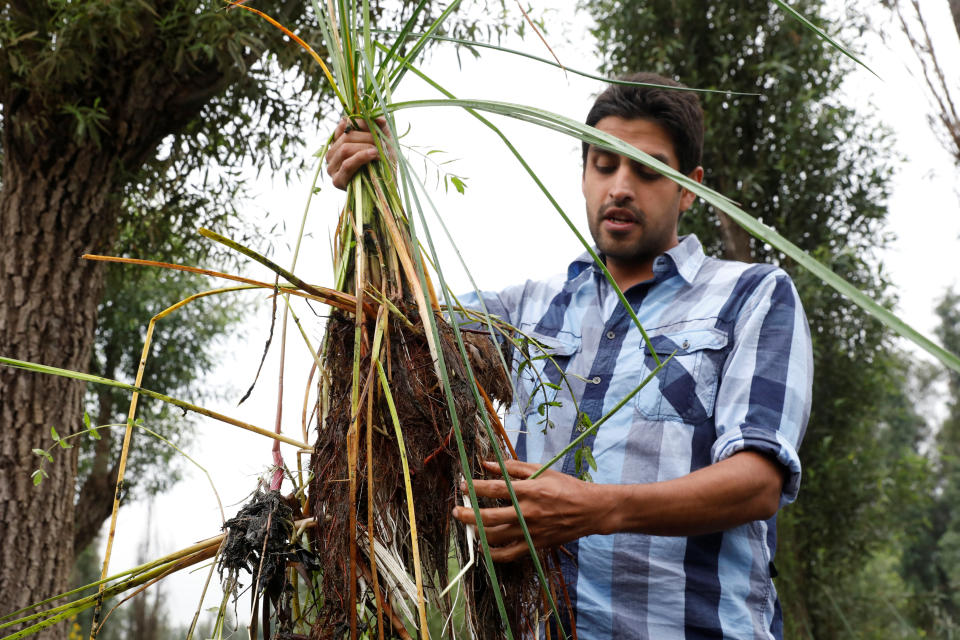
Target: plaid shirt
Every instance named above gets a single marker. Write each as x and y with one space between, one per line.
740 379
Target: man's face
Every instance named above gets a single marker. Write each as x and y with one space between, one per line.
633 211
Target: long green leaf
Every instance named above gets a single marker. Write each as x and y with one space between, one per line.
756 228
183 404
431 323
822 35
553 63
400 70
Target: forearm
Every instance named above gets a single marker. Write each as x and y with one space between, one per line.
559 508
732 492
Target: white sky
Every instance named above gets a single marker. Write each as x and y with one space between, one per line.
507 232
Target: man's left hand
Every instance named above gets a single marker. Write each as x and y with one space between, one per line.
557 508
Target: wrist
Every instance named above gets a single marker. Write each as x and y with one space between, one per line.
625 508
611 509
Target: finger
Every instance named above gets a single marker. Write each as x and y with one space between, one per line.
502 535
516 468
347 147
349 167
491 489
492 516
352 138
510 552
465 515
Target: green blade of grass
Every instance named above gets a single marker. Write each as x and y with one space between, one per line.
430 324
183 404
822 35
756 228
401 69
552 63
398 432
396 48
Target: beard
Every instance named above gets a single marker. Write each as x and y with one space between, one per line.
637 245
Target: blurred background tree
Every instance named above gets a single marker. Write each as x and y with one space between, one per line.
931 560
939 78
799 160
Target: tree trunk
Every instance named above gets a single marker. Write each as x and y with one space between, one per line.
955 12
56 204
736 239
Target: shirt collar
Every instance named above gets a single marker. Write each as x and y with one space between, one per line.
687 257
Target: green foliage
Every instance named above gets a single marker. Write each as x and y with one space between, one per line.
931 561
800 161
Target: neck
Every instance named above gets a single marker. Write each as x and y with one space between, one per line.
629 274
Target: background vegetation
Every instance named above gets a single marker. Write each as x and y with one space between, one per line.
800 160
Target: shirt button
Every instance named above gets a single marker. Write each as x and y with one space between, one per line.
686 344
611 335
596 379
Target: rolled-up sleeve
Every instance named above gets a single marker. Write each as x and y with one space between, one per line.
763 402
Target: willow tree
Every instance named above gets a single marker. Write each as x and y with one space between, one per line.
108 107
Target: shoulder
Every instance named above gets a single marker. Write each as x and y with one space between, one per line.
742 286
517 301
533 297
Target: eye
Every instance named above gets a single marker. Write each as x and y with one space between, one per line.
648 176
645 173
603 163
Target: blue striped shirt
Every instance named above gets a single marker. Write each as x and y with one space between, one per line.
740 379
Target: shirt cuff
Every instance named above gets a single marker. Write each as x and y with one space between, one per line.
767 442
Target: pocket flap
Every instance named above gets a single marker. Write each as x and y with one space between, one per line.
688 341
563 344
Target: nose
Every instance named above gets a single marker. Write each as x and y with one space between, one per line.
622 184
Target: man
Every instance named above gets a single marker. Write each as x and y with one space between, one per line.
675 536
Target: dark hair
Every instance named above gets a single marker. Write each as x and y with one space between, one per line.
678 112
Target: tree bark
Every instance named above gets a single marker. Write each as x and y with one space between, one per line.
56 204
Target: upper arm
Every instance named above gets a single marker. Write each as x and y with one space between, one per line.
763 402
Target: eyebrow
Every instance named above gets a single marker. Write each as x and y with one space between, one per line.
656 156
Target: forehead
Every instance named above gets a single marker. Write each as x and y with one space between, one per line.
644 134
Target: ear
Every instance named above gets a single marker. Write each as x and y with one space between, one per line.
686 196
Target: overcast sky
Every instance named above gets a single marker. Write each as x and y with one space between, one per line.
507 232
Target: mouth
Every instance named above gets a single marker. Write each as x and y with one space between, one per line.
620 218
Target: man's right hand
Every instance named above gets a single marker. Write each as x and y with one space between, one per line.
353 147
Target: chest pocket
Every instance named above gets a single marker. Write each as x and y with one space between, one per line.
685 389
540 379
